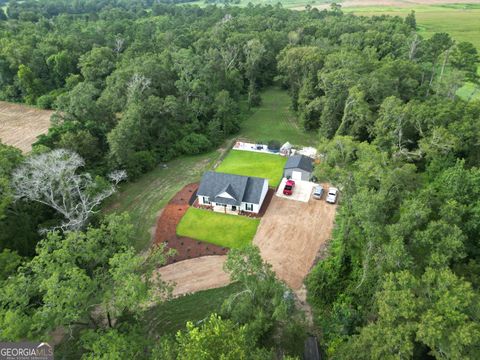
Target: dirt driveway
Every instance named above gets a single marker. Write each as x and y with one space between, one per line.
292 233
197 274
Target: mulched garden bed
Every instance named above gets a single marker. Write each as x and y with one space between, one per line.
166 231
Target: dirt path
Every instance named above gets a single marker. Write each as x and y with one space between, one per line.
20 124
292 234
197 274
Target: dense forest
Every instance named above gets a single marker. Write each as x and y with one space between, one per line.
138 82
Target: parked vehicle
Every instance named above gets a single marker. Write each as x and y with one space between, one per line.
288 189
332 195
318 192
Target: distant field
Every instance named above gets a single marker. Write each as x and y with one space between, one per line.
461 21
20 124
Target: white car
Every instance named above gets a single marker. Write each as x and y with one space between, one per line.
332 195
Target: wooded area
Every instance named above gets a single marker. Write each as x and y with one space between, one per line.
135 83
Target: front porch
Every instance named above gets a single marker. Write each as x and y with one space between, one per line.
226 209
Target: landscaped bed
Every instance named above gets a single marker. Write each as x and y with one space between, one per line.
232 231
249 163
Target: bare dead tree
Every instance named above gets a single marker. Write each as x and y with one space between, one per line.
137 85
413 47
51 179
119 42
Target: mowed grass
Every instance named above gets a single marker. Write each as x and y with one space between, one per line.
146 196
171 316
249 163
231 231
274 120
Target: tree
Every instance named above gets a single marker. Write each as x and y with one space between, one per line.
51 179
439 310
465 58
410 20
254 52
213 339
92 279
265 305
97 64
30 86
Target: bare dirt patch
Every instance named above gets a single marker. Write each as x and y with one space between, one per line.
166 229
193 275
292 233
20 124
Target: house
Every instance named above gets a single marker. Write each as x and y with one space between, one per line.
232 193
298 167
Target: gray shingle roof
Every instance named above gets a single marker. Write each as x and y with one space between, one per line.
240 188
300 162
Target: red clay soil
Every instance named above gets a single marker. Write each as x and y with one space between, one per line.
166 231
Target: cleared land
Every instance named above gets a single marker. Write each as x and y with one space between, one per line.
20 125
274 120
291 235
232 231
193 275
144 198
250 163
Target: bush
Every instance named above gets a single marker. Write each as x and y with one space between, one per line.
274 145
194 144
139 163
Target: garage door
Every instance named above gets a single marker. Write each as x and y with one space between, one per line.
296 175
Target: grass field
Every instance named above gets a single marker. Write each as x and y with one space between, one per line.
145 197
171 316
461 21
225 230
274 120
250 163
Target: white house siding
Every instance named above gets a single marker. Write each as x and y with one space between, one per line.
200 200
256 207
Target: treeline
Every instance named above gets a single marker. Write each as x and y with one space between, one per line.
135 87
402 276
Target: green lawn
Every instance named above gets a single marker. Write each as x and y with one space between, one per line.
250 163
231 231
171 316
146 196
274 120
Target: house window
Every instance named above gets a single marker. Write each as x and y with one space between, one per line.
206 200
249 207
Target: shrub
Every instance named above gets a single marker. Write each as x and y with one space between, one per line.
274 145
194 144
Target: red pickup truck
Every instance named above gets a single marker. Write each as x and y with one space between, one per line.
288 189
